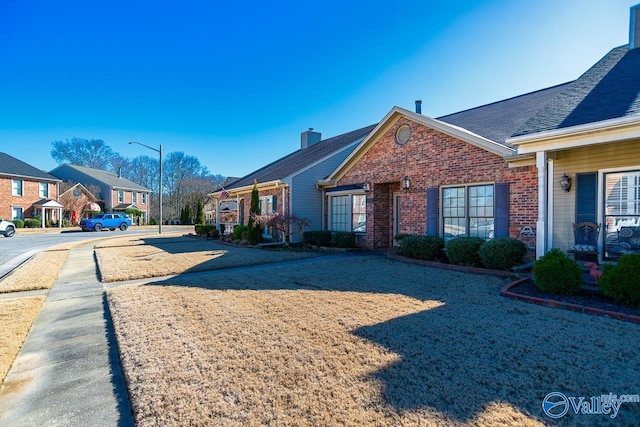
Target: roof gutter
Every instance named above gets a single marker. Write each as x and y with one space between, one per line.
248 188
591 133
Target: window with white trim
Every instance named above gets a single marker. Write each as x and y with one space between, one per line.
468 211
621 212
348 212
134 197
44 189
120 196
16 213
16 187
144 198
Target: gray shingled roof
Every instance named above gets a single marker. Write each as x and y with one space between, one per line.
608 90
11 166
301 158
499 120
108 178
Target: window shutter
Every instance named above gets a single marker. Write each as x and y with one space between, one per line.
586 197
274 203
501 214
432 211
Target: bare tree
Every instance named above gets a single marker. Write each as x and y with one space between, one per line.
91 153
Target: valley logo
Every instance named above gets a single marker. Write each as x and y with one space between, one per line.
556 405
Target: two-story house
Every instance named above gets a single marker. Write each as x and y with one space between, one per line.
116 193
28 192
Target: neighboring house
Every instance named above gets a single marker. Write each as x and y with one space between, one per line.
79 203
117 193
228 208
28 192
591 134
288 184
494 170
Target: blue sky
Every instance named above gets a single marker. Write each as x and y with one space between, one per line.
234 83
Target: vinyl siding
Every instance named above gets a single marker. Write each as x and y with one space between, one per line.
306 199
582 160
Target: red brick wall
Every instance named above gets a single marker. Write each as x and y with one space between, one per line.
266 193
433 159
30 195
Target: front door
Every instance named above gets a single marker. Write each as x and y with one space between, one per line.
396 218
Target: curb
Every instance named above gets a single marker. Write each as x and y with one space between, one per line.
548 302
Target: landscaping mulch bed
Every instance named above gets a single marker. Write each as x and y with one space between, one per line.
586 297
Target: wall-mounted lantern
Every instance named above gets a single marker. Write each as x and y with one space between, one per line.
366 187
406 184
565 183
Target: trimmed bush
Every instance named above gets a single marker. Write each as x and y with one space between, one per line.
622 282
343 239
206 230
317 238
464 251
213 233
557 274
503 253
18 223
240 232
31 223
430 248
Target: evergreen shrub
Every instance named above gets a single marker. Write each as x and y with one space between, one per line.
32 223
557 274
18 223
503 253
343 239
622 282
464 251
240 232
430 248
317 237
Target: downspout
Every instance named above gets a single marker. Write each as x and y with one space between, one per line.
217 214
541 223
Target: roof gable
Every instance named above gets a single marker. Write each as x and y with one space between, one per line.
301 159
13 167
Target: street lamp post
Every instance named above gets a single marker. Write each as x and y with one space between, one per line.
159 151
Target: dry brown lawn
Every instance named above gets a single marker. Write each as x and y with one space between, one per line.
139 257
38 273
360 341
16 317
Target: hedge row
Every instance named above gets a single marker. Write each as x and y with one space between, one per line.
339 239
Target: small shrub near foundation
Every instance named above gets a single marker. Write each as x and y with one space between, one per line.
464 251
207 230
240 232
429 248
503 253
317 237
557 274
18 223
343 239
622 282
31 223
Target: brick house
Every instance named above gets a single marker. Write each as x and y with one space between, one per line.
115 193
78 203
288 184
449 176
28 192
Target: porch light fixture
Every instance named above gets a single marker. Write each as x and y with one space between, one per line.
565 183
406 184
366 187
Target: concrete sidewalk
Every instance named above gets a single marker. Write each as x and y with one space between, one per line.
68 370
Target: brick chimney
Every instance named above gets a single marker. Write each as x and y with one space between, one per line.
634 27
309 137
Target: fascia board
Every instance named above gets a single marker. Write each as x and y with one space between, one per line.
394 115
578 136
248 188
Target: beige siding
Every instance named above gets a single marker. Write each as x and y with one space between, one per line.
580 160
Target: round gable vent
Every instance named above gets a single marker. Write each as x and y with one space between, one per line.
403 134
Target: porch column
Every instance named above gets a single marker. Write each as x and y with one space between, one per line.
59 217
541 223
217 214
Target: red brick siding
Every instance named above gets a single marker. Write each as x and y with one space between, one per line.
30 195
433 159
266 193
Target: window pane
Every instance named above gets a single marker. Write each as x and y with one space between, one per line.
16 187
622 212
340 220
359 213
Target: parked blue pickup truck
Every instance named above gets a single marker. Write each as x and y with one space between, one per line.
108 220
